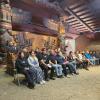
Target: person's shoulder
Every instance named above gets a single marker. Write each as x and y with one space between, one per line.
29 57
36 58
18 60
49 56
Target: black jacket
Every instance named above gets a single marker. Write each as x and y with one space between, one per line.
21 64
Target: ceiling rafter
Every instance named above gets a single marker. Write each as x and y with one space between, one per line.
82 15
88 19
81 8
86 16
81 27
79 4
82 22
89 22
75 23
71 21
83 12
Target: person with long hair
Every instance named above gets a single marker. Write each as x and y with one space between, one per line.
34 66
73 61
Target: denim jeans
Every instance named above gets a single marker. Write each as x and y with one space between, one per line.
58 69
92 61
73 65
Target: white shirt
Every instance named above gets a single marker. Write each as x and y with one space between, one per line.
80 56
33 62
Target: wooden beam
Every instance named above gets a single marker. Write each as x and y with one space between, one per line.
79 19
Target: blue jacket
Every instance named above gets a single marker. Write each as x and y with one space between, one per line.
88 56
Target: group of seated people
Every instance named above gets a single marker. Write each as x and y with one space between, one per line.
40 66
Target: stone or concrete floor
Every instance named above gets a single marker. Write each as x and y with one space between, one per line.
85 86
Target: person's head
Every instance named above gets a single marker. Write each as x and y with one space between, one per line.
44 51
93 52
71 53
52 52
87 51
37 49
76 52
79 52
32 53
65 48
11 43
25 50
21 54
90 52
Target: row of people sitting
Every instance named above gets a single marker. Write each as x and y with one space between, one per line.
91 57
40 66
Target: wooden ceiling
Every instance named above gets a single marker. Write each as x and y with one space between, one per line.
84 14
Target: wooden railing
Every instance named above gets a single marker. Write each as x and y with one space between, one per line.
36 28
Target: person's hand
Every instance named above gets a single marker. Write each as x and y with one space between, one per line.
55 62
26 68
80 61
49 65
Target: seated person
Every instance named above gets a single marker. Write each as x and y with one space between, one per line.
51 60
90 59
22 66
60 52
34 66
79 63
12 50
72 60
44 66
83 61
26 52
12 47
63 61
37 52
96 57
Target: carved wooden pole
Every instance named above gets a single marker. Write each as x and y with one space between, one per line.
5 15
61 32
